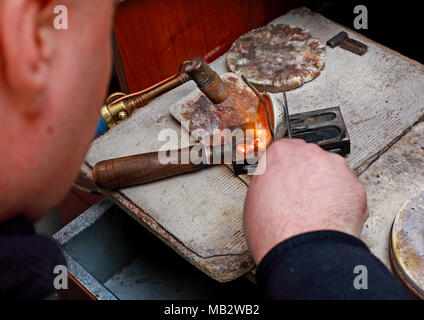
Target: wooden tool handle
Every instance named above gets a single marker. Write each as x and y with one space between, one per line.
142 168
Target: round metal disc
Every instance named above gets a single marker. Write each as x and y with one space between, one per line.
277 57
406 245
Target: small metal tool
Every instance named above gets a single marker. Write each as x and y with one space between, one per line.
342 39
287 116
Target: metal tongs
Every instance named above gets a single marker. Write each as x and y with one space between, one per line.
281 119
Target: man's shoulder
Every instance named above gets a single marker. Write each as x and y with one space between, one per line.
27 261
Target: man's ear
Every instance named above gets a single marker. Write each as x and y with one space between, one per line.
27 42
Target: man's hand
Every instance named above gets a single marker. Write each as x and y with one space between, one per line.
303 189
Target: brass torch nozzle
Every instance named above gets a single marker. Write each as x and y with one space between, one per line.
196 69
121 109
207 80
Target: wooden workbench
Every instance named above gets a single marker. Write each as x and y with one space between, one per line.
199 215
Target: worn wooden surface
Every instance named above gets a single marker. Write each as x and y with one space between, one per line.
406 244
200 215
391 180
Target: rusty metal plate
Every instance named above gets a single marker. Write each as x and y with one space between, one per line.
196 111
277 57
407 245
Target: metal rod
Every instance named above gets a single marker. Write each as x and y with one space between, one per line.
268 116
286 111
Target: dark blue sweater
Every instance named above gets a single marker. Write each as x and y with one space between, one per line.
323 265
316 265
27 261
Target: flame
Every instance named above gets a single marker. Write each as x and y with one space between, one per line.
244 148
260 144
261 139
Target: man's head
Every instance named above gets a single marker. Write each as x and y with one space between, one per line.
52 84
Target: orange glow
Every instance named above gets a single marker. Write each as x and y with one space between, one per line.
260 140
260 144
245 148
261 122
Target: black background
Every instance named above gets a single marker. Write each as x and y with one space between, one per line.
398 25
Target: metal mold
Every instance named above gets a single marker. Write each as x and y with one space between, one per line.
324 127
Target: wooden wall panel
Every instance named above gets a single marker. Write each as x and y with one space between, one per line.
155 36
